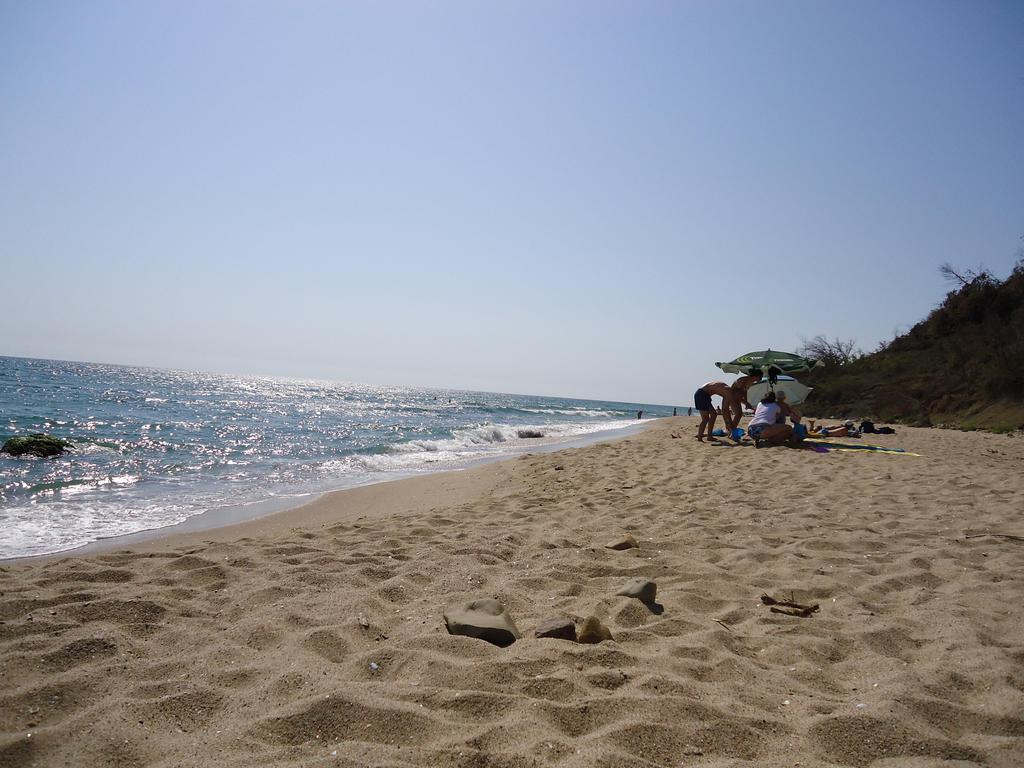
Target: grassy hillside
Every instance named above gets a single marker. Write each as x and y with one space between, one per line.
962 366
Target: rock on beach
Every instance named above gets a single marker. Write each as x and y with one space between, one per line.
559 627
643 590
485 619
593 631
36 444
626 541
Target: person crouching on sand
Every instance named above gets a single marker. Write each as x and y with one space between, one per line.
769 423
702 399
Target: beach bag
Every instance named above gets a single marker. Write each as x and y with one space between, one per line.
867 427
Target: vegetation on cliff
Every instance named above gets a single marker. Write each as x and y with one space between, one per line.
961 366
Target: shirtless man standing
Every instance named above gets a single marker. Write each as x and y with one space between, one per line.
702 399
739 394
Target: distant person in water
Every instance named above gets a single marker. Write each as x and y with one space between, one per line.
740 388
708 414
639 414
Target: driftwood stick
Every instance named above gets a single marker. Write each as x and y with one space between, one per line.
723 624
789 607
998 535
791 603
803 613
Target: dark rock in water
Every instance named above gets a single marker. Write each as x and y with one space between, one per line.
626 541
643 590
36 444
560 628
593 631
529 433
485 619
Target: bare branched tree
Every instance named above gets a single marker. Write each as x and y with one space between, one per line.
965 277
832 353
952 275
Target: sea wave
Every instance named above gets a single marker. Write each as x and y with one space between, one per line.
464 446
588 412
473 438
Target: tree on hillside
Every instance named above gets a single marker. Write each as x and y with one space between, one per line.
965 277
833 353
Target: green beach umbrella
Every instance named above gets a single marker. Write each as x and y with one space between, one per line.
768 359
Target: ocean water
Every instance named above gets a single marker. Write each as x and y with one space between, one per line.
156 447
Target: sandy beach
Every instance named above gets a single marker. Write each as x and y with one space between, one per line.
315 637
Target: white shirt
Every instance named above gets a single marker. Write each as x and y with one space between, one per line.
766 413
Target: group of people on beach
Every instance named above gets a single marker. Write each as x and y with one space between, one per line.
769 422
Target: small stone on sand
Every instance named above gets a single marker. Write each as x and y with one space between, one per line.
559 627
642 589
593 631
626 541
485 619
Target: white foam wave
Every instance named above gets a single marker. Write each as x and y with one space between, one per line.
465 445
589 412
62 527
463 439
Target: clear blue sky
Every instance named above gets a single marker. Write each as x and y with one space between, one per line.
593 199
